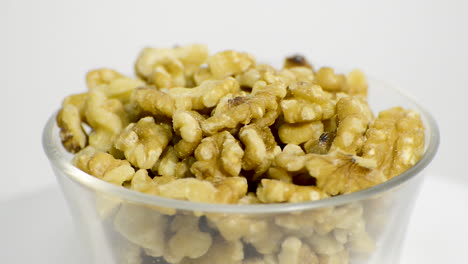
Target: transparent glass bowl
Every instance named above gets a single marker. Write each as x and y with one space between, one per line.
123 226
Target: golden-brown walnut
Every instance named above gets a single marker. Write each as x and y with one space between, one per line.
314 94
260 148
81 159
239 110
330 81
184 149
103 140
278 173
291 159
332 218
272 81
410 143
354 116
395 141
294 251
354 83
107 118
156 102
298 224
231 190
308 103
272 112
272 76
170 165
221 251
141 182
266 164
121 88
262 234
231 155
299 74
381 137
248 78
299 110
278 88
255 147
228 190
299 133
166 165
160 180
189 189
192 56
339 173
106 167
170 66
103 166
218 156
188 240
103 76
143 227
143 142
168 73
249 198
202 74
187 125
113 84
324 244
207 94
358 239
265 78
182 168
72 134
99 109
233 227
274 191
79 101
224 103
228 63
341 257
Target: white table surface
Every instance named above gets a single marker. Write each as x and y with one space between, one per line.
47 46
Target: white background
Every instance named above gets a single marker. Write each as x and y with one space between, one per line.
47 47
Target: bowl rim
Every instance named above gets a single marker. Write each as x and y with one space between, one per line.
56 155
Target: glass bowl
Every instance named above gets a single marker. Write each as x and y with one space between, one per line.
123 226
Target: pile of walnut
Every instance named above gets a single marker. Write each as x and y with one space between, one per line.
213 128
224 129
321 236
